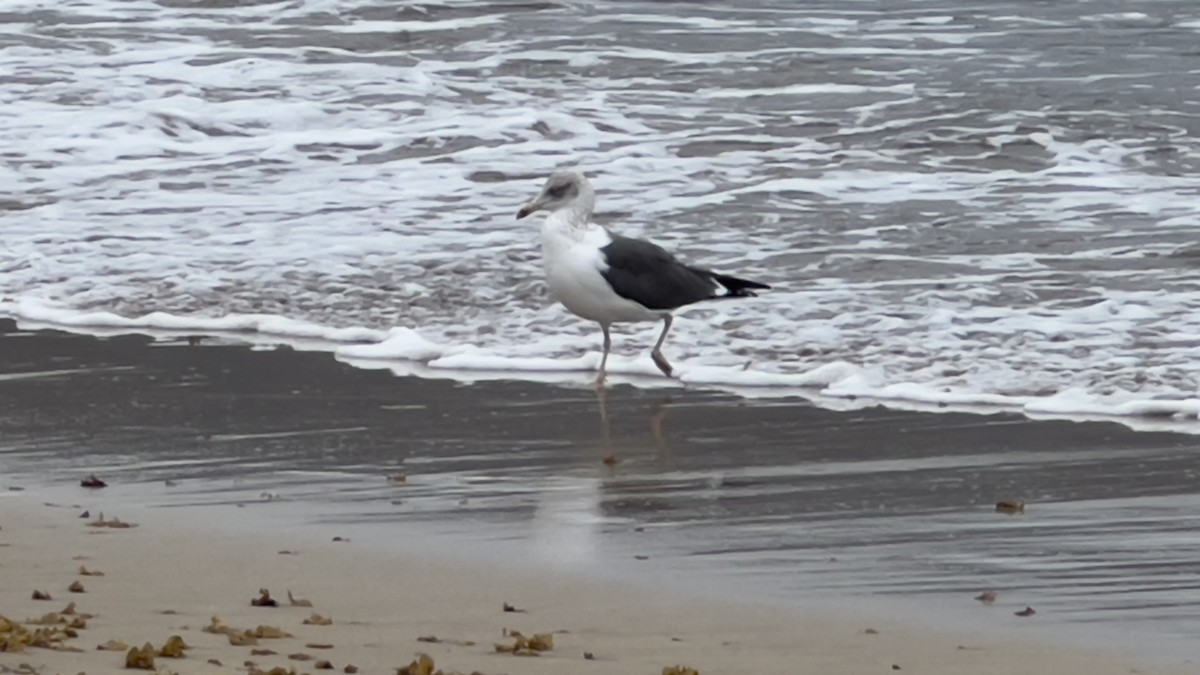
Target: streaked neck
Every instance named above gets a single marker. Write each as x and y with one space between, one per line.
574 216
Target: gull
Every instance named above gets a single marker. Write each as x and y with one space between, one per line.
608 278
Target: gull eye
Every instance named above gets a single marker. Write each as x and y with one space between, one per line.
558 191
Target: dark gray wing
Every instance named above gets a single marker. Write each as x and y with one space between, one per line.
650 276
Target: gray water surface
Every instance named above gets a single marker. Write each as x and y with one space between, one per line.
958 200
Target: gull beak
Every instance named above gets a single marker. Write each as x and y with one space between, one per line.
529 208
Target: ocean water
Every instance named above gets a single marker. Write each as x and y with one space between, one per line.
979 203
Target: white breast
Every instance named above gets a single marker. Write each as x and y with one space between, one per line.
573 262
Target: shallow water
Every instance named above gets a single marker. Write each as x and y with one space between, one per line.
780 501
980 203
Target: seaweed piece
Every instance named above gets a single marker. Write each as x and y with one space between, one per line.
437 640
1010 506
264 599
297 602
526 646
174 648
113 523
51 619
241 639
317 620
236 638
140 659
422 665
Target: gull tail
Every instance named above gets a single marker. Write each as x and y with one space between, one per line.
738 288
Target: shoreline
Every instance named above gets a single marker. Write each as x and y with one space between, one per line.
410 356
381 603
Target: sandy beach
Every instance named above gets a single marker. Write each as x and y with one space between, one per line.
666 528
158 582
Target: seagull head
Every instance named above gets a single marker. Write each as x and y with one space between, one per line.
562 189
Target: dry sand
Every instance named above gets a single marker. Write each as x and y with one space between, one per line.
158 581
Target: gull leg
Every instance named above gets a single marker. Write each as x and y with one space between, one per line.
656 355
599 383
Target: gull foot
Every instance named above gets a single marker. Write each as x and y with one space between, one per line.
661 362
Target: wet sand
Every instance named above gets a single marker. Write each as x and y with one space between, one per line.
161 580
780 509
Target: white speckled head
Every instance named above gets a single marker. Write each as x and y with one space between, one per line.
564 189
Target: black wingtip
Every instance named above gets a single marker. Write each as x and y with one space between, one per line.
740 288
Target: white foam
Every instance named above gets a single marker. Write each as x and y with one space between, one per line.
810 90
408 353
402 344
49 314
822 376
1077 401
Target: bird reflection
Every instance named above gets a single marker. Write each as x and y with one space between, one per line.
657 409
656 428
605 421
